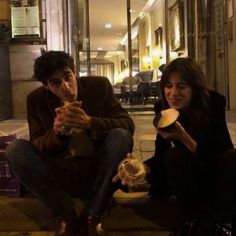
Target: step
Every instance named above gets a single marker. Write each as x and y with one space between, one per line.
129 214
111 233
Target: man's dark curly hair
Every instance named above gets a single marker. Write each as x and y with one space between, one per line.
49 62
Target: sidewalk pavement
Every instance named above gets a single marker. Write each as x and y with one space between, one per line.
21 216
144 137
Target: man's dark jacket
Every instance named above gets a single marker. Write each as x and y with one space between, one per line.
98 101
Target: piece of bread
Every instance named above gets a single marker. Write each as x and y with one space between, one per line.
166 119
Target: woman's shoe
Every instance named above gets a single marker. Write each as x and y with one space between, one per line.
224 229
187 229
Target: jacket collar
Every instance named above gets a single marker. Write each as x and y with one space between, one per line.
53 101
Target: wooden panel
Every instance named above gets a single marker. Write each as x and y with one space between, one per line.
4 9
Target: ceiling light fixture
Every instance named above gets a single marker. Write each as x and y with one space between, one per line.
108 26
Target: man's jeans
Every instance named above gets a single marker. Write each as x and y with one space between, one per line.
52 180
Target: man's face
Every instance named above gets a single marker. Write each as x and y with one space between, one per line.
63 84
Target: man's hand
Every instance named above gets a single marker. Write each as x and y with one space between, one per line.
70 117
58 125
75 117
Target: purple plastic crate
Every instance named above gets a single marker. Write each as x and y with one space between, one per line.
9 185
7 138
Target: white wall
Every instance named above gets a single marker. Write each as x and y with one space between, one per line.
158 20
54 16
232 63
21 63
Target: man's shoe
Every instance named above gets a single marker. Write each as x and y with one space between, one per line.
90 226
94 226
224 229
67 225
186 230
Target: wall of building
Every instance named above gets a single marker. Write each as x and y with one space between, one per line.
23 54
232 59
117 68
158 20
156 17
55 29
145 41
21 63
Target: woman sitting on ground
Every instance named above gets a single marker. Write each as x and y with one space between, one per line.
188 160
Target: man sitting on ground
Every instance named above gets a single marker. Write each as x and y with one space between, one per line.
79 133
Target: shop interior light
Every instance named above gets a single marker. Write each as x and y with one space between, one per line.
108 26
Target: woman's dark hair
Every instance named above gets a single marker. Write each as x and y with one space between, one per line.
190 71
196 115
49 62
161 68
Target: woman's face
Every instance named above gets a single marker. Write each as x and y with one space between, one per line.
177 92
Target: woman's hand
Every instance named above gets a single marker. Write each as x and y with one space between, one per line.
175 133
179 133
131 171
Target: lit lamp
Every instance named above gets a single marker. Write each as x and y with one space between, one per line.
156 55
122 75
147 62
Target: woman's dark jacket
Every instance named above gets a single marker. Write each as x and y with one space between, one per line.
211 135
98 101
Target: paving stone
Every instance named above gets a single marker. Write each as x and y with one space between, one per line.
147 146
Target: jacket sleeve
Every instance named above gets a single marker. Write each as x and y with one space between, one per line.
40 123
116 116
215 138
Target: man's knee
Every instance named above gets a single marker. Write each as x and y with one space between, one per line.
17 151
120 138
